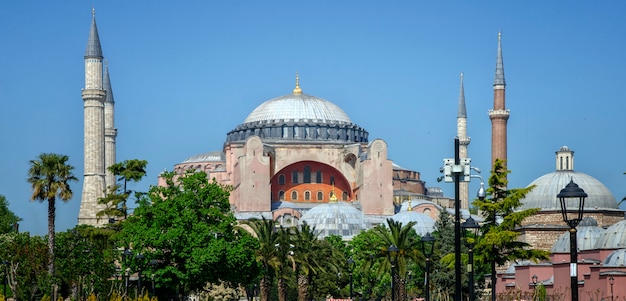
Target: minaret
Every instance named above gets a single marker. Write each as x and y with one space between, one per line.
464 141
110 132
93 99
499 115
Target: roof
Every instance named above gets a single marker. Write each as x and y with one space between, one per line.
298 107
94 50
336 218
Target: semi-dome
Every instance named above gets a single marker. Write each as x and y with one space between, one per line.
616 258
587 235
301 117
423 223
614 237
335 218
548 186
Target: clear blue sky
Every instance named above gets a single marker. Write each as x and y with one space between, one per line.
185 73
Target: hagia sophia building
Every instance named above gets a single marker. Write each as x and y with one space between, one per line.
300 158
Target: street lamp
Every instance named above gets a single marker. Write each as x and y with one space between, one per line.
392 255
350 265
458 170
428 238
572 200
153 264
126 254
139 257
471 225
611 282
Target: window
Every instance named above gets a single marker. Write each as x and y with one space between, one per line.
281 180
320 196
294 177
307 195
294 195
332 180
318 177
281 195
307 174
344 196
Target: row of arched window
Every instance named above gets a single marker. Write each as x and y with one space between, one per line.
304 177
307 195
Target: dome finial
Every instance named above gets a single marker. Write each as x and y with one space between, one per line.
297 90
409 208
333 197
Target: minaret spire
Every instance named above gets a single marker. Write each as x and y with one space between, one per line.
499 79
499 115
94 95
464 140
110 132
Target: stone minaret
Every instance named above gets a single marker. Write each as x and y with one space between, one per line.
499 115
110 132
94 97
461 133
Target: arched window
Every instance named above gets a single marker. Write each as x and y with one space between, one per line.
285 131
281 195
294 177
344 196
307 174
318 177
294 195
281 179
307 195
320 196
332 180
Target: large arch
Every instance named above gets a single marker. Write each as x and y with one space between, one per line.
296 179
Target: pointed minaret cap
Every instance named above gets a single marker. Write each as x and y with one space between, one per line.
106 82
499 81
297 90
93 43
462 111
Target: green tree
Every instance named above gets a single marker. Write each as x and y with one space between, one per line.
405 239
128 171
265 254
499 242
188 228
8 219
442 270
25 261
50 177
311 255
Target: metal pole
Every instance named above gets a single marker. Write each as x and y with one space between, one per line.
573 262
457 224
471 273
428 278
350 284
393 280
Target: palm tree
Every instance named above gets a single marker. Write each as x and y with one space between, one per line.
265 255
404 239
283 260
49 177
310 255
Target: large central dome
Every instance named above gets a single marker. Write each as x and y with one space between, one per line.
299 117
298 107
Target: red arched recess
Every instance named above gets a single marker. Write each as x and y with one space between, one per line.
304 181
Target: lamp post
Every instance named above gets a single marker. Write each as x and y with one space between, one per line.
428 238
126 254
611 282
392 255
153 264
572 200
471 225
139 257
534 287
454 169
350 265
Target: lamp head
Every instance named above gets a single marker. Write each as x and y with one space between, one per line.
482 193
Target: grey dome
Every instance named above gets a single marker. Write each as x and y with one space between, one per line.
299 117
423 222
587 235
616 258
336 218
215 156
302 107
543 196
614 237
